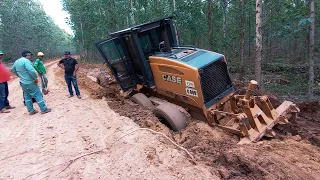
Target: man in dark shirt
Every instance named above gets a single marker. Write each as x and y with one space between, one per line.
70 66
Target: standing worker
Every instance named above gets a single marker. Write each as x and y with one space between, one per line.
70 66
41 69
4 90
28 81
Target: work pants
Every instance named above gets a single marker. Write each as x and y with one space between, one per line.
33 91
70 79
4 93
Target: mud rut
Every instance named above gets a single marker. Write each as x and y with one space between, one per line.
84 139
293 154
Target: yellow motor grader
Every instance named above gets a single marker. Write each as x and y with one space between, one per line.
147 60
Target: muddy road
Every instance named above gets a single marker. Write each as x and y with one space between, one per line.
293 154
85 139
99 137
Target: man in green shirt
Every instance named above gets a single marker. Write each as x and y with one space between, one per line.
41 69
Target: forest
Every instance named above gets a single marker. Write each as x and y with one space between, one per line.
160 110
272 48
25 25
211 24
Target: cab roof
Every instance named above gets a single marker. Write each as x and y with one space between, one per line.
142 27
198 58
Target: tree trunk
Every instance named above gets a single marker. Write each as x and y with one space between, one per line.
224 18
295 49
241 70
113 16
128 25
270 54
210 25
175 28
311 52
258 42
83 41
249 39
265 55
131 13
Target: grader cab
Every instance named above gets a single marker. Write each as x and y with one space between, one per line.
147 60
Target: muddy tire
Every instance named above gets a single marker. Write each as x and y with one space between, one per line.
171 115
142 100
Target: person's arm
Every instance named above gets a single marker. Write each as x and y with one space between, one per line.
31 71
76 67
36 66
14 70
60 64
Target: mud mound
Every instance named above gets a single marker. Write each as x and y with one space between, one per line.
140 115
311 107
270 160
104 86
263 160
96 91
307 125
290 156
274 100
106 81
206 143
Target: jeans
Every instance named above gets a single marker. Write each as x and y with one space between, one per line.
44 81
33 91
4 93
72 79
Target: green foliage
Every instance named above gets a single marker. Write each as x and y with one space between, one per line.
296 86
25 25
285 26
283 22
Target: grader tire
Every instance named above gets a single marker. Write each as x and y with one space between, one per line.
142 100
171 116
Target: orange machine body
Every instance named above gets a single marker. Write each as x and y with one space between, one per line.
178 77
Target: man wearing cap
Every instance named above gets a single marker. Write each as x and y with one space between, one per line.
4 90
28 81
41 69
70 66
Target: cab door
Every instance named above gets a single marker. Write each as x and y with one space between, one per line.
113 52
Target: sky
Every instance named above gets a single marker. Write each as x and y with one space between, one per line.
53 8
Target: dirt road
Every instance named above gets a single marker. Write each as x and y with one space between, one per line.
292 154
100 139
59 145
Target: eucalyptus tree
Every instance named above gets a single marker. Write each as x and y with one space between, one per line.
25 25
210 24
258 42
311 51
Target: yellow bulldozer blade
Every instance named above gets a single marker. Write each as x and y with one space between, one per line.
255 115
261 125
